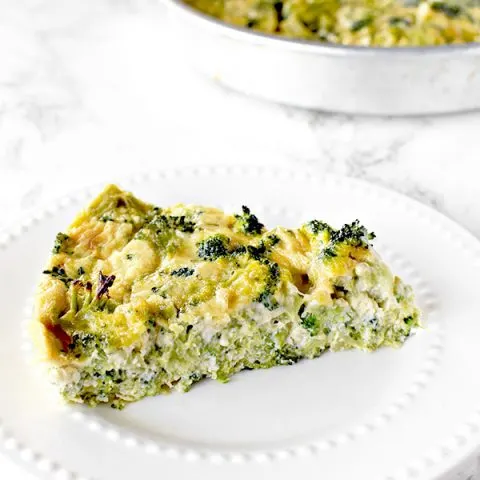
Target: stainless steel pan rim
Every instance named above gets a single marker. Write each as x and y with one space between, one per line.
318 47
335 78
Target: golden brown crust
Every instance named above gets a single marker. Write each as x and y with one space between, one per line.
51 299
47 346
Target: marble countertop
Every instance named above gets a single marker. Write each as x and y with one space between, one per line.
89 86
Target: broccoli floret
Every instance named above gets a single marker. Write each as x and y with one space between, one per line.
60 243
114 376
217 246
273 271
83 344
316 226
213 248
248 223
260 251
272 240
181 223
236 252
260 254
355 334
82 297
286 356
310 322
60 274
257 253
172 222
352 234
161 229
328 252
82 339
183 272
266 297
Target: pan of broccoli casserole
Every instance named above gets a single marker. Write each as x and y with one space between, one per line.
381 57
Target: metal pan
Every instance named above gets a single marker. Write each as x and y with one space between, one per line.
349 79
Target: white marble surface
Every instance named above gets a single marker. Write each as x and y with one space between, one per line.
89 86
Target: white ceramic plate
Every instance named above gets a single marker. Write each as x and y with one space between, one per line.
392 414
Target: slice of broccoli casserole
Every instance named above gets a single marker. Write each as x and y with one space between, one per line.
138 300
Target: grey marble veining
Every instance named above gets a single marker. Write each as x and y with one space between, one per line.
95 86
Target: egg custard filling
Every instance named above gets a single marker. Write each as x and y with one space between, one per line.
138 300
